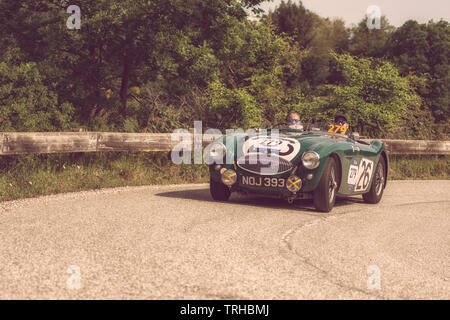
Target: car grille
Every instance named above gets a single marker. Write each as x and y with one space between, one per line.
265 165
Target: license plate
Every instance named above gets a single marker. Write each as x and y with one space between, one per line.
263 182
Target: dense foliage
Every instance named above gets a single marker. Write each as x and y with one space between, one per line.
152 66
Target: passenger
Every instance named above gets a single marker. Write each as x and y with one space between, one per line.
341 120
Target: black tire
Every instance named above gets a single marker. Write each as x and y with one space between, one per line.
378 182
219 191
325 194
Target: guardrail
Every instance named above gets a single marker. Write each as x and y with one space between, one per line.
14 143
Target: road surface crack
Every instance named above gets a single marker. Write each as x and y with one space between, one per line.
287 251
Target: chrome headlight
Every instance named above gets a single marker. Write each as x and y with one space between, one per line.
310 160
215 153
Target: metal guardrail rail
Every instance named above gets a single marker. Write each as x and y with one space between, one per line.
14 143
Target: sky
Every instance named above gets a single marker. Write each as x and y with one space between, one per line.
397 11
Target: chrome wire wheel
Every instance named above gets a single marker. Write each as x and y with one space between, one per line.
332 185
379 182
324 194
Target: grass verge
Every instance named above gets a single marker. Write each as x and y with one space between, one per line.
35 175
419 167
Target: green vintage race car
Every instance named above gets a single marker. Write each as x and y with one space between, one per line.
316 163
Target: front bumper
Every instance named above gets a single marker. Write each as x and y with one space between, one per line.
258 183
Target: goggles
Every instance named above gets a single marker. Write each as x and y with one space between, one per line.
294 120
341 122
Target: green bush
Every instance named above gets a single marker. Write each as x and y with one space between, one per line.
26 104
234 108
372 94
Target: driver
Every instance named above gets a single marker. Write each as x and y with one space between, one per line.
293 121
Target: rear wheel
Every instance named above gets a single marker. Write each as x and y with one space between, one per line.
219 191
377 187
325 194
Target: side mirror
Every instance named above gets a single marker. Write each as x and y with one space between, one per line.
355 136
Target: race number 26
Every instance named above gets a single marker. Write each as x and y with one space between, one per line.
364 174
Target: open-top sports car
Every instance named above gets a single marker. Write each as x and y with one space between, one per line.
318 163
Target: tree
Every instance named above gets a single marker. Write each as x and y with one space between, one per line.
251 70
424 50
295 21
121 44
367 42
26 104
408 48
373 95
316 36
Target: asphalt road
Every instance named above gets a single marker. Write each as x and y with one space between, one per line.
173 242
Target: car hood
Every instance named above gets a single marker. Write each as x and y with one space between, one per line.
319 142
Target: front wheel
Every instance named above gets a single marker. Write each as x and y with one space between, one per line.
325 194
377 187
219 191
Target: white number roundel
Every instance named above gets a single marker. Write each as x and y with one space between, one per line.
283 147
